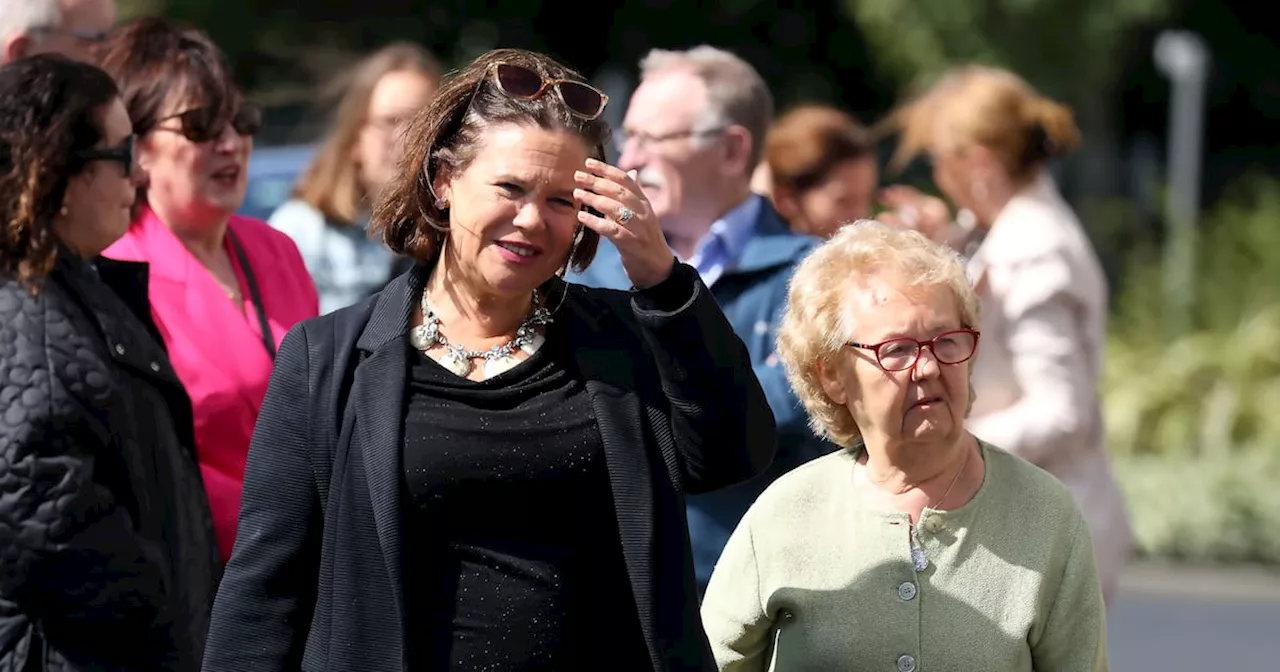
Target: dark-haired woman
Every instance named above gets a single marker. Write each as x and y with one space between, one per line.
224 289
483 467
108 559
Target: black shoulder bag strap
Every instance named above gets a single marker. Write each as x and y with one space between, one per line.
267 339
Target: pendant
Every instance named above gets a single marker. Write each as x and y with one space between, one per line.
459 365
531 345
425 336
499 365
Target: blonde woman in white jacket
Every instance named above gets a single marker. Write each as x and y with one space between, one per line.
1042 290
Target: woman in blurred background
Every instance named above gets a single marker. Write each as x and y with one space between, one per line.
1043 292
224 289
108 559
819 169
329 212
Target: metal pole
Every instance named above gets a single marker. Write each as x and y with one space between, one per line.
1183 57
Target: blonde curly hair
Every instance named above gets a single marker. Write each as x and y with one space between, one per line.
817 322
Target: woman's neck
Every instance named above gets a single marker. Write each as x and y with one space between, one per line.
469 316
204 238
919 474
999 194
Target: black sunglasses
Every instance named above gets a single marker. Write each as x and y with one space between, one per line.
121 153
517 81
203 124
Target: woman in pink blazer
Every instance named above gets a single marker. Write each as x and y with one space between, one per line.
224 289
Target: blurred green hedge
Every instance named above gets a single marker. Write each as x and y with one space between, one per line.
1194 418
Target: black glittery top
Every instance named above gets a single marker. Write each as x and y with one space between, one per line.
513 559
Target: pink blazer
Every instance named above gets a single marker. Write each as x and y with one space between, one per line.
216 349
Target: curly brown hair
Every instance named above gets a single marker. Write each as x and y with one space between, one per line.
50 112
446 134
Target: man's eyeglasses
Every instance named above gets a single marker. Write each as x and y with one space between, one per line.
121 153
203 124
621 138
517 81
900 354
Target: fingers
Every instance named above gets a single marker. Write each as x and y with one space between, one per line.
607 228
610 207
611 173
603 186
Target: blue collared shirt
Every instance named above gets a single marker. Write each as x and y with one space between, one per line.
723 244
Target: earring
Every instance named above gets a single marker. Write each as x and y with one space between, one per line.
442 204
63 211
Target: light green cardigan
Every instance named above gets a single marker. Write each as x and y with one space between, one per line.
813 579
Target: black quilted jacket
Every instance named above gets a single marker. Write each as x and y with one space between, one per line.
108 559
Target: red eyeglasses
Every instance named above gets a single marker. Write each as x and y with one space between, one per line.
900 354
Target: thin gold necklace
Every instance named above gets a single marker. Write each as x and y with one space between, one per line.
918 558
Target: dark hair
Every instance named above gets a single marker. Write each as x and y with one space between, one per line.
445 135
331 183
50 110
808 142
154 59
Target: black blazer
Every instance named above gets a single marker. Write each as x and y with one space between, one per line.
315 579
108 559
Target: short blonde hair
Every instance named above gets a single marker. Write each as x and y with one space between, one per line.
818 322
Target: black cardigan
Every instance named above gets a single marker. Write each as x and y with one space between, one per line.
315 579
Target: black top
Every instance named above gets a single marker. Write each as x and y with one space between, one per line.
319 578
513 559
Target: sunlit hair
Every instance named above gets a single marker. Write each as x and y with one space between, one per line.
331 183
990 107
51 109
818 320
447 134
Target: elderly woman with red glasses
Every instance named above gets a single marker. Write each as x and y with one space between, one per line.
223 289
919 546
483 467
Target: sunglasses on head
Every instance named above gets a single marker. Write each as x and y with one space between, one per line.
203 124
121 153
517 81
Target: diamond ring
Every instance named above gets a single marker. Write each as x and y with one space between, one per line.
625 215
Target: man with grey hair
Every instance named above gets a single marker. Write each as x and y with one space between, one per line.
67 27
693 133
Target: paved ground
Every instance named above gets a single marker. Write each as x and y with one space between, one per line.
1196 620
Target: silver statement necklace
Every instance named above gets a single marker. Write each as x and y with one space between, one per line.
918 558
497 359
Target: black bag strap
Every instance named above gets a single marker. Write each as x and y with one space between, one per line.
267 339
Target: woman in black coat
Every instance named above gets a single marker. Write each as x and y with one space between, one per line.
484 467
108 559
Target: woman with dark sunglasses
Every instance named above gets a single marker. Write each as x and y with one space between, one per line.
108 559
224 289
483 466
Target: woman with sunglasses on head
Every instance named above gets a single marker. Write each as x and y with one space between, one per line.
919 546
108 559
483 467
224 289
